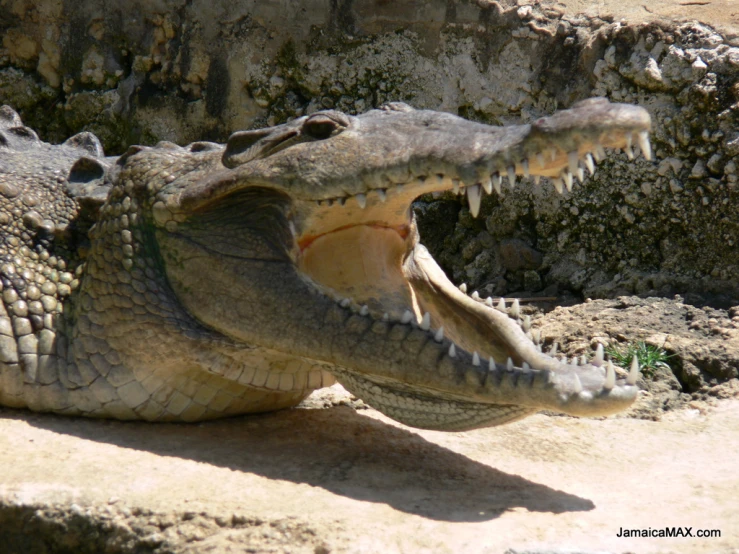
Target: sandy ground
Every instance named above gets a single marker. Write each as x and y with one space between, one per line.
723 14
353 481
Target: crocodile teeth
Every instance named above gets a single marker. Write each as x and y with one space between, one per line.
341 201
553 349
526 325
537 179
600 153
642 139
501 305
629 153
386 317
525 167
540 160
558 185
496 183
382 194
345 303
475 295
515 310
407 317
364 310
577 385
580 174
583 360
567 176
475 359
553 154
610 381
463 287
633 372
572 161
511 176
439 336
455 186
489 301
452 350
473 197
589 163
599 357
525 366
487 184
536 335
509 364
426 322
361 200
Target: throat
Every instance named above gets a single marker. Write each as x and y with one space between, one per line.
362 263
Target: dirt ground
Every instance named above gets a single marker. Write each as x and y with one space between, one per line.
723 14
340 480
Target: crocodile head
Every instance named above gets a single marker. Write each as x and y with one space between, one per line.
300 239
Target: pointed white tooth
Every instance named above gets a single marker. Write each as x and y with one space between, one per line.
575 361
610 381
567 176
426 322
496 182
562 359
501 305
452 350
475 359
525 167
577 386
558 185
633 376
600 153
583 360
407 317
526 325
642 139
539 348
629 153
629 140
537 179
487 185
474 195
475 295
341 201
489 301
580 174
382 194
572 161
599 357
553 153
463 287
553 349
540 160
386 317
515 310
455 186
364 310
509 364
439 336
361 200
536 335
345 303
511 176
589 163
525 366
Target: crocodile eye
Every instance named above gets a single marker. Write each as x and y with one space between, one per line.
323 125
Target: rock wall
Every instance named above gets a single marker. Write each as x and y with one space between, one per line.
140 72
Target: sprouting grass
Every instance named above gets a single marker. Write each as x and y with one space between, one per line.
650 357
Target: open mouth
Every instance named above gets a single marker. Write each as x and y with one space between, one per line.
388 323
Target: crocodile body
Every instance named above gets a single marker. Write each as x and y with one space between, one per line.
187 283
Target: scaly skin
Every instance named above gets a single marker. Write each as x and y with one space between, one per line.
226 280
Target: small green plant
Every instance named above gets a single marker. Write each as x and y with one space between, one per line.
650 357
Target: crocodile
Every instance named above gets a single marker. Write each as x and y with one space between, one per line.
189 283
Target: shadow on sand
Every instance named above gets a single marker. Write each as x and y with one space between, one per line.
336 449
